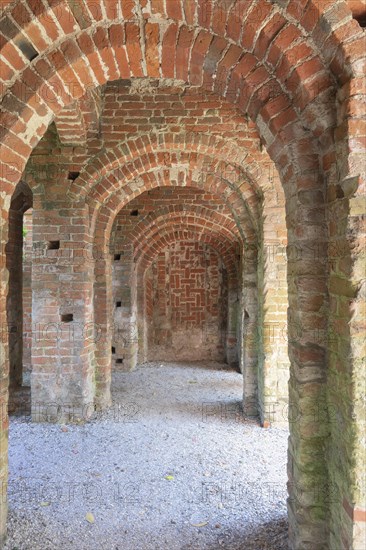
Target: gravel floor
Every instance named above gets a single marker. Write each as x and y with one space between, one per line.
172 465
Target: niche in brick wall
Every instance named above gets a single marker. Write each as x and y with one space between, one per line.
53 245
186 298
67 318
72 176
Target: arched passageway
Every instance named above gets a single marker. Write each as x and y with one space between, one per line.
176 259
19 298
260 102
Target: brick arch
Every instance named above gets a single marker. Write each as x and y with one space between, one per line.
124 181
173 212
197 218
181 228
80 57
132 150
86 59
22 198
208 16
230 29
207 154
103 218
212 234
189 232
250 24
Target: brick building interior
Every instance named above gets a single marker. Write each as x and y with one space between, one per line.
184 180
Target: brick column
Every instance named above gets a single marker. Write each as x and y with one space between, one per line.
63 363
27 297
346 387
233 328
144 313
273 364
125 342
4 372
104 326
308 507
249 323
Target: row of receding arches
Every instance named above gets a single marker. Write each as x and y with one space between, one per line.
221 231
296 69
188 219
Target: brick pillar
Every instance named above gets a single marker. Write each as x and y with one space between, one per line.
125 342
347 374
308 507
104 325
62 380
232 333
346 387
144 289
249 323
4 372
273 364
27 296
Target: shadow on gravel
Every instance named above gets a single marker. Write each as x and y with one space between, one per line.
270 536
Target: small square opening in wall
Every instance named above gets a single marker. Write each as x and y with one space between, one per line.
73 176
119 361
113 349
67 317
117 257
53 245
134 213
118 304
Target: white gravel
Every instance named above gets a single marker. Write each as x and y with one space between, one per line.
172 465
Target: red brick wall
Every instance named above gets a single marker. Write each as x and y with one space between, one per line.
145 107
187 304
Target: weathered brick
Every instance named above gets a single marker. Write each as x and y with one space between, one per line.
295 69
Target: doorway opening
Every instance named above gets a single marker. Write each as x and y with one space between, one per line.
19 299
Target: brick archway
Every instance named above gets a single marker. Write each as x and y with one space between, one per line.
241 165
193 240
22 200
199 216
202 220
171 176
281 65
188 231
